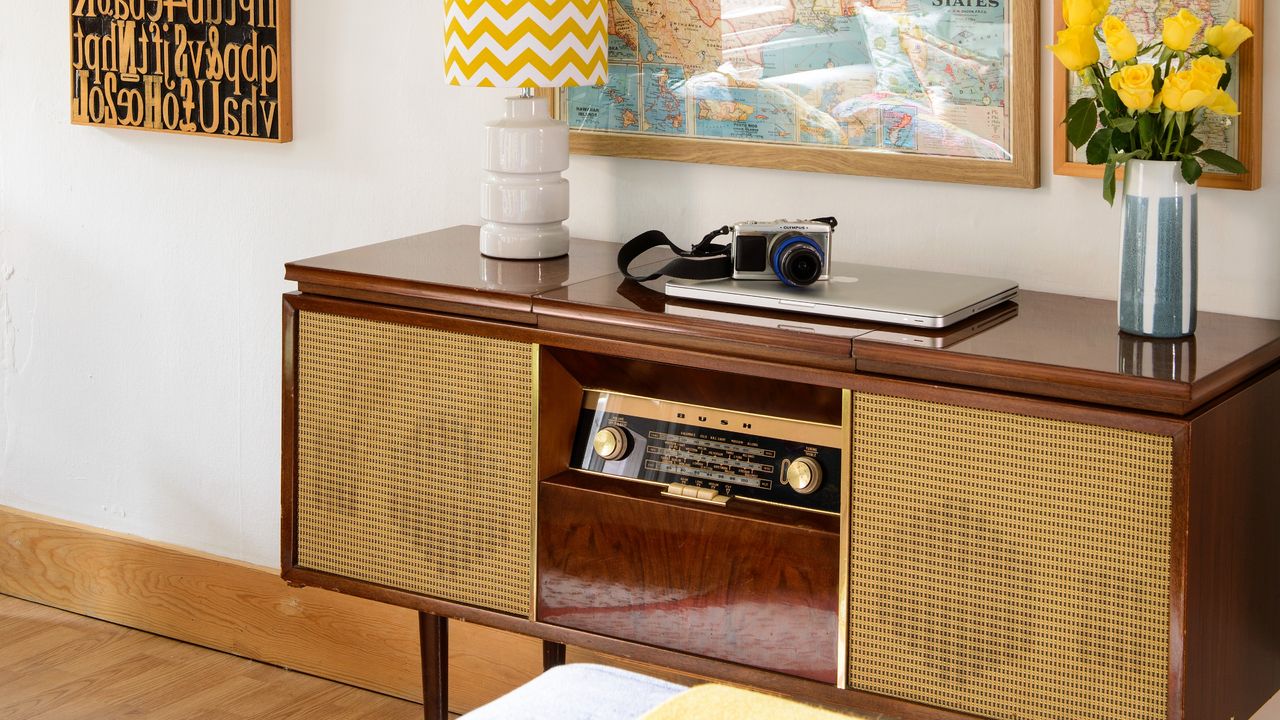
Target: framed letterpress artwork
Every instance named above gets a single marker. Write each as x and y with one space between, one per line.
941 90
218 68
1240 137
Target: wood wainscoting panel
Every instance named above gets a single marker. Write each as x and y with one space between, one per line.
247 610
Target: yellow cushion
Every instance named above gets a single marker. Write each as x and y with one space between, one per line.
720 702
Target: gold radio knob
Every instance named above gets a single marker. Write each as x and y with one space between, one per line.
611 442
804 475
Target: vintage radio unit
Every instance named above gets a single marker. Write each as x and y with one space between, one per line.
708 454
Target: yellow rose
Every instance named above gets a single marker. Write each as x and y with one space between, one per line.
1133 85
1084 12
1157 104
1121 43
1181 29
1180 93
1220 102
1207 71
1226 39
1076 48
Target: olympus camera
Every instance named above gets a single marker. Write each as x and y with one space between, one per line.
797 252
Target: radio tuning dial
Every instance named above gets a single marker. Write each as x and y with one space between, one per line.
611 442
804 475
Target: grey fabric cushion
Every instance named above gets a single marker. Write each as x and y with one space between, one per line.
580 691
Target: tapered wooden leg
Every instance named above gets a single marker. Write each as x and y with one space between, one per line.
552 654
433 632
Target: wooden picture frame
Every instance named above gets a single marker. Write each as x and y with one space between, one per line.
1249 72
170 67
1022 171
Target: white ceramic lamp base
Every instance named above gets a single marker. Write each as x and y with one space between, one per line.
523 199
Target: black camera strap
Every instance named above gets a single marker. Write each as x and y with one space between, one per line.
706 261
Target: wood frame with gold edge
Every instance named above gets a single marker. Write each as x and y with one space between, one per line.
1250 120
1022 172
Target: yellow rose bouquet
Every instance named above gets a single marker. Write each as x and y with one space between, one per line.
1147 100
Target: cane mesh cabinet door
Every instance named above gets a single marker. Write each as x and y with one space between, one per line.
415 459
1006 565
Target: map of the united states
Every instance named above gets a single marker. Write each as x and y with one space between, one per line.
922 76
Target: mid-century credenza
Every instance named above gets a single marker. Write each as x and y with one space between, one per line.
1029 516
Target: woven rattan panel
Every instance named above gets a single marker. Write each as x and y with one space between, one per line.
1008 566
415 459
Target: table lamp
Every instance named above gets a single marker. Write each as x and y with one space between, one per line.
525 44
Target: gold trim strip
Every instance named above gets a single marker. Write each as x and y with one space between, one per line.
536 378
846 493
774 426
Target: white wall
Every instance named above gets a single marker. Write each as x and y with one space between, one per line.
140 273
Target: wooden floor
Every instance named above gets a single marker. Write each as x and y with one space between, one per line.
56 665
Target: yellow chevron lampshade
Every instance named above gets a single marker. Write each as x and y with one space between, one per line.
525 43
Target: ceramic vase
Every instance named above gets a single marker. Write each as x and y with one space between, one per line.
1158 245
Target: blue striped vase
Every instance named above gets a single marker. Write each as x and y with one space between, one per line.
1158 248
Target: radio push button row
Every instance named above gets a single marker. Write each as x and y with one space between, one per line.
700 494
804 475
611 442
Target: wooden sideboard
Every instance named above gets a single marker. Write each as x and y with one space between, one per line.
1040 517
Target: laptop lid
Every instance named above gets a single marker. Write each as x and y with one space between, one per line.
863 292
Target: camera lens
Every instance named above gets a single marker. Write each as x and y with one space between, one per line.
798 261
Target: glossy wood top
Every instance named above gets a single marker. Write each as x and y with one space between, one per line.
444 270
614 307
1070 347
1047 345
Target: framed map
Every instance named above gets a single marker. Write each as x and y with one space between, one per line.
926 89
1239 137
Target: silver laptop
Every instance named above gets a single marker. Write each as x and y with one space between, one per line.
863 292
835 327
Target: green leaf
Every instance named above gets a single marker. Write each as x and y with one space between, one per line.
1080 127
1111 101
1123 124
1192 144
1099 147
1191 170
1222 160
1076 108
1226 77
1109 184
1146 129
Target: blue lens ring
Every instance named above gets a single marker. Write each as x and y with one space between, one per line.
777 253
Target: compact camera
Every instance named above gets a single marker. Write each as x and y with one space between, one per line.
797 252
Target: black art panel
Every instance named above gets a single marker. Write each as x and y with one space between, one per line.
205 67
